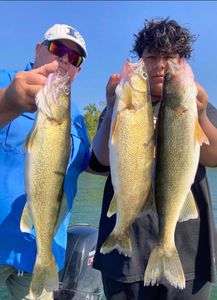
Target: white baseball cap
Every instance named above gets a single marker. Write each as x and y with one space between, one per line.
62 31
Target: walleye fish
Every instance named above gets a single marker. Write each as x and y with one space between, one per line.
48 149
179 137
131 150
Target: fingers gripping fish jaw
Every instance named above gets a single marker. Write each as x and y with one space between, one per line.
53 97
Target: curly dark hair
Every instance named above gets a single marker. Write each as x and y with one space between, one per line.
164 36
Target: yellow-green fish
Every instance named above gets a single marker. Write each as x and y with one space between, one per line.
48 149
131 151
179 137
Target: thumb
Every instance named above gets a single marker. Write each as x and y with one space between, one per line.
47 69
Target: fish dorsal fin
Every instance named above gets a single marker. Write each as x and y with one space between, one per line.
189 209
200 135
114 127
26 222
112 207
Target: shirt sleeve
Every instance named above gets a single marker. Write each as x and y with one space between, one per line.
96 166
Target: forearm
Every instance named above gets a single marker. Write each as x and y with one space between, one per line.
101 139
208 153
6 112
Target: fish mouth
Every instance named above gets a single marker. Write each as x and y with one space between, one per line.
61 71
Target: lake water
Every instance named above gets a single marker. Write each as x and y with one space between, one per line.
87 207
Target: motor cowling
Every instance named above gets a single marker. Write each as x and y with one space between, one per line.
78 280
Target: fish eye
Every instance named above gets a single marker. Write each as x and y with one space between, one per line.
66 90
167 76
145 75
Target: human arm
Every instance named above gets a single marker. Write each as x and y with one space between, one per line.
208 153
100 140
19 96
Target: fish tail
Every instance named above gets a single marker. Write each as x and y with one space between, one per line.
45 276
164 264
121 243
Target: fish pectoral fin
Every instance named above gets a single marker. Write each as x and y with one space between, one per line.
189 209
200 135
112 207
30 139
150 145
114 127
43 102
26 222
150 142
63 210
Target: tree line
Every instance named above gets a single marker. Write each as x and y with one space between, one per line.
91 117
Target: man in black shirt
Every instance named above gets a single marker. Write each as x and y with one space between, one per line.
157 43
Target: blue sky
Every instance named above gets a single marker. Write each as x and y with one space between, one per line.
108 28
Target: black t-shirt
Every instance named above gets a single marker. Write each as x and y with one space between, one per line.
196 240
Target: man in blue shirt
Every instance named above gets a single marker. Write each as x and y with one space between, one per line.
62 47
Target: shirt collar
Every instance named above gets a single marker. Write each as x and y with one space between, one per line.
28 67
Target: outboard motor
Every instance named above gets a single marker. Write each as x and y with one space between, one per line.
78 280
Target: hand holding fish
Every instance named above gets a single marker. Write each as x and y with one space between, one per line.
100 141
110 90
202 100
20 94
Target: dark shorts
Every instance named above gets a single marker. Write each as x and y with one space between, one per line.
195 290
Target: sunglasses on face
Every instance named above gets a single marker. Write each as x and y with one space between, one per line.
58 49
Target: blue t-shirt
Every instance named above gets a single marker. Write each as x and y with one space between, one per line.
16 248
